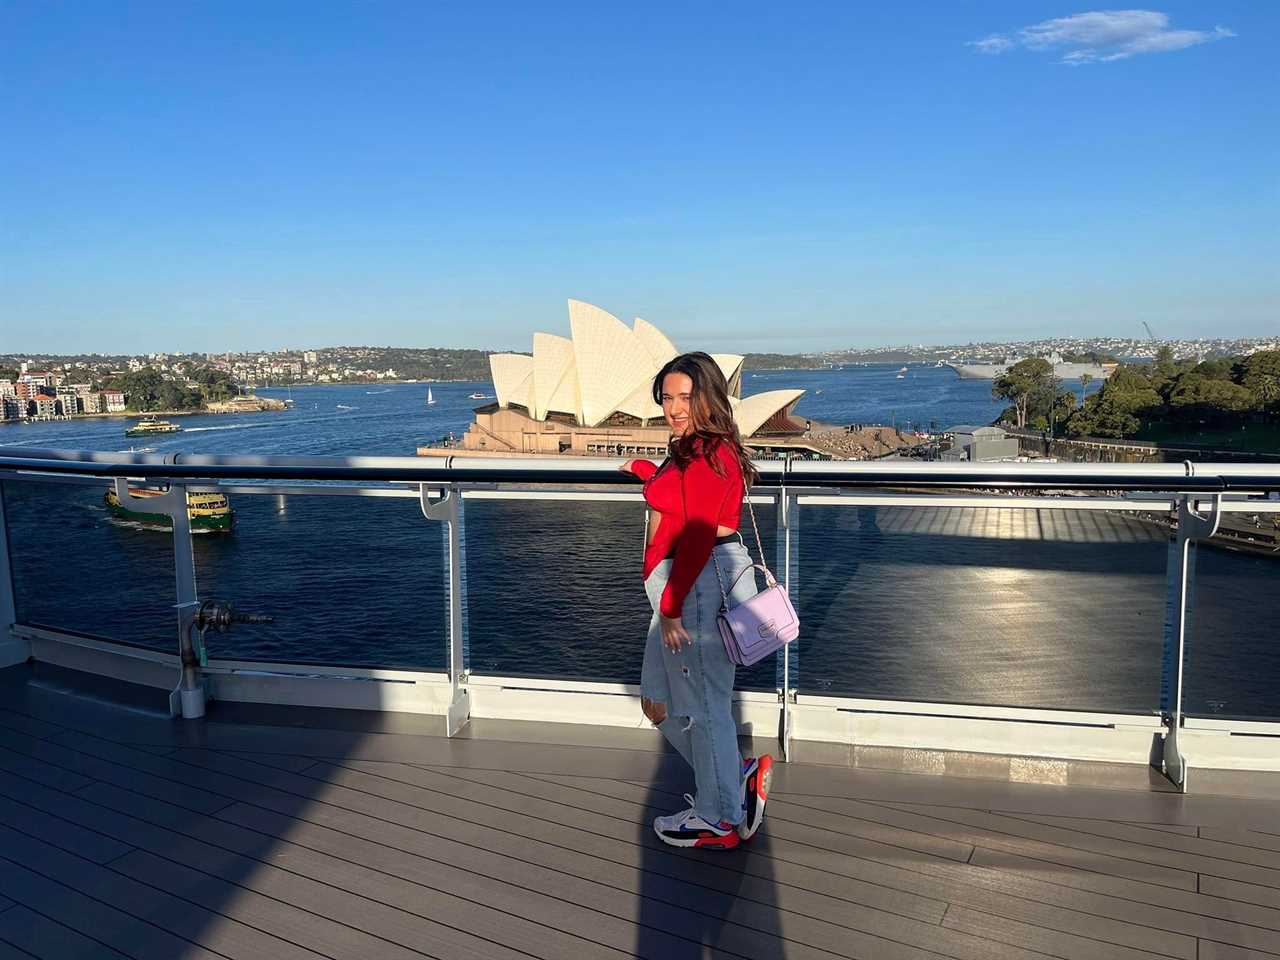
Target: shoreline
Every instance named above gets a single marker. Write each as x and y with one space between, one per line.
134 415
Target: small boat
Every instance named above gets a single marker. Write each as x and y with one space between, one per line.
209 512
430 398
149 425
478 396
374 393
901 376
343 406
903 370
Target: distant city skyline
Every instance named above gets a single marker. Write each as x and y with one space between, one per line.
781 179
1119 346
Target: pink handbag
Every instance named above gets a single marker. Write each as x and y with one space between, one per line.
762 625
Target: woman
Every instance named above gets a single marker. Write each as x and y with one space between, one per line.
686 683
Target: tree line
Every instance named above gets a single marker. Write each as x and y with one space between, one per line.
1185 395
147 391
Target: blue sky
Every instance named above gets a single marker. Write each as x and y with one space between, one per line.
786 177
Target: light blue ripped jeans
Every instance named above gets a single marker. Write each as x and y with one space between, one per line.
696 684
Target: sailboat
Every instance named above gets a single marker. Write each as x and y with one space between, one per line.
430 398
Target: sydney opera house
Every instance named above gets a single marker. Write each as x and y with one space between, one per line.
591 394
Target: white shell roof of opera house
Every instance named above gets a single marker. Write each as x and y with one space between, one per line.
606 367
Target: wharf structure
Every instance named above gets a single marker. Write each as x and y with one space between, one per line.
175 802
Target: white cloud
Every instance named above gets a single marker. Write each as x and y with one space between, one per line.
992 44
1102 36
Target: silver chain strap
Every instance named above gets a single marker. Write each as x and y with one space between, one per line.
759 546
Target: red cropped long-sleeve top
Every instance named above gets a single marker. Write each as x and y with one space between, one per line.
691 504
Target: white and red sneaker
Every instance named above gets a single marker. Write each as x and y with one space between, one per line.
687 829
757 778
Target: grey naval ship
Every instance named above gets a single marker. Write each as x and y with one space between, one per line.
1061 369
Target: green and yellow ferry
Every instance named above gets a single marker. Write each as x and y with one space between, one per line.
209 512
149 425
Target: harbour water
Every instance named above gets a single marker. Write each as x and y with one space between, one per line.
1032 608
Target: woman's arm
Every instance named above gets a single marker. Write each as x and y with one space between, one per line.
704 493
644 469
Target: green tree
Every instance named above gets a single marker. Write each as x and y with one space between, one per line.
1206 400
216 384
1260 375
1085 380
1028 384
1119 408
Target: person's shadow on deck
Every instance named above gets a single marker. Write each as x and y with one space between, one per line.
700 903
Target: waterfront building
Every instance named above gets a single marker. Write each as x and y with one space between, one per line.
91 402
68 400
37 378
981 445
11 408
7 389
113 401
44 407
591 394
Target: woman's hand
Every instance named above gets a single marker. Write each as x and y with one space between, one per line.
626 468
674 635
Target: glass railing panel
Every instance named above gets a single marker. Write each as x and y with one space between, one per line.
555 589
1232 663
1030 608
79 568
350 580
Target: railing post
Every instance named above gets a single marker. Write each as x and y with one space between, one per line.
12 650
1180 576
788 567
187 699
448 510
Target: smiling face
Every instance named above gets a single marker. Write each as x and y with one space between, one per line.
677 396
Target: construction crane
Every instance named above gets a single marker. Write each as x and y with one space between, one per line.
1150 334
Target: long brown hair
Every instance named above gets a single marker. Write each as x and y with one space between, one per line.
710 415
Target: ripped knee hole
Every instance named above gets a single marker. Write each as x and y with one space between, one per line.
656 712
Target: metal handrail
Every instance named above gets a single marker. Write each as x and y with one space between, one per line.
1174 477
1199 492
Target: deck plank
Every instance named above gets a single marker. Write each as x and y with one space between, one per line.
98 812
92 919
30 934
279 761
873 923
1188 904
1221 951
129 836
93 767
149 904
1041 904
1178 946
433 890
802 933
1115 845
1250 839
1055 943
494 831
1244 892
88 844
655 940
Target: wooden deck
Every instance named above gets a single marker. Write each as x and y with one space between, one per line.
250 835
